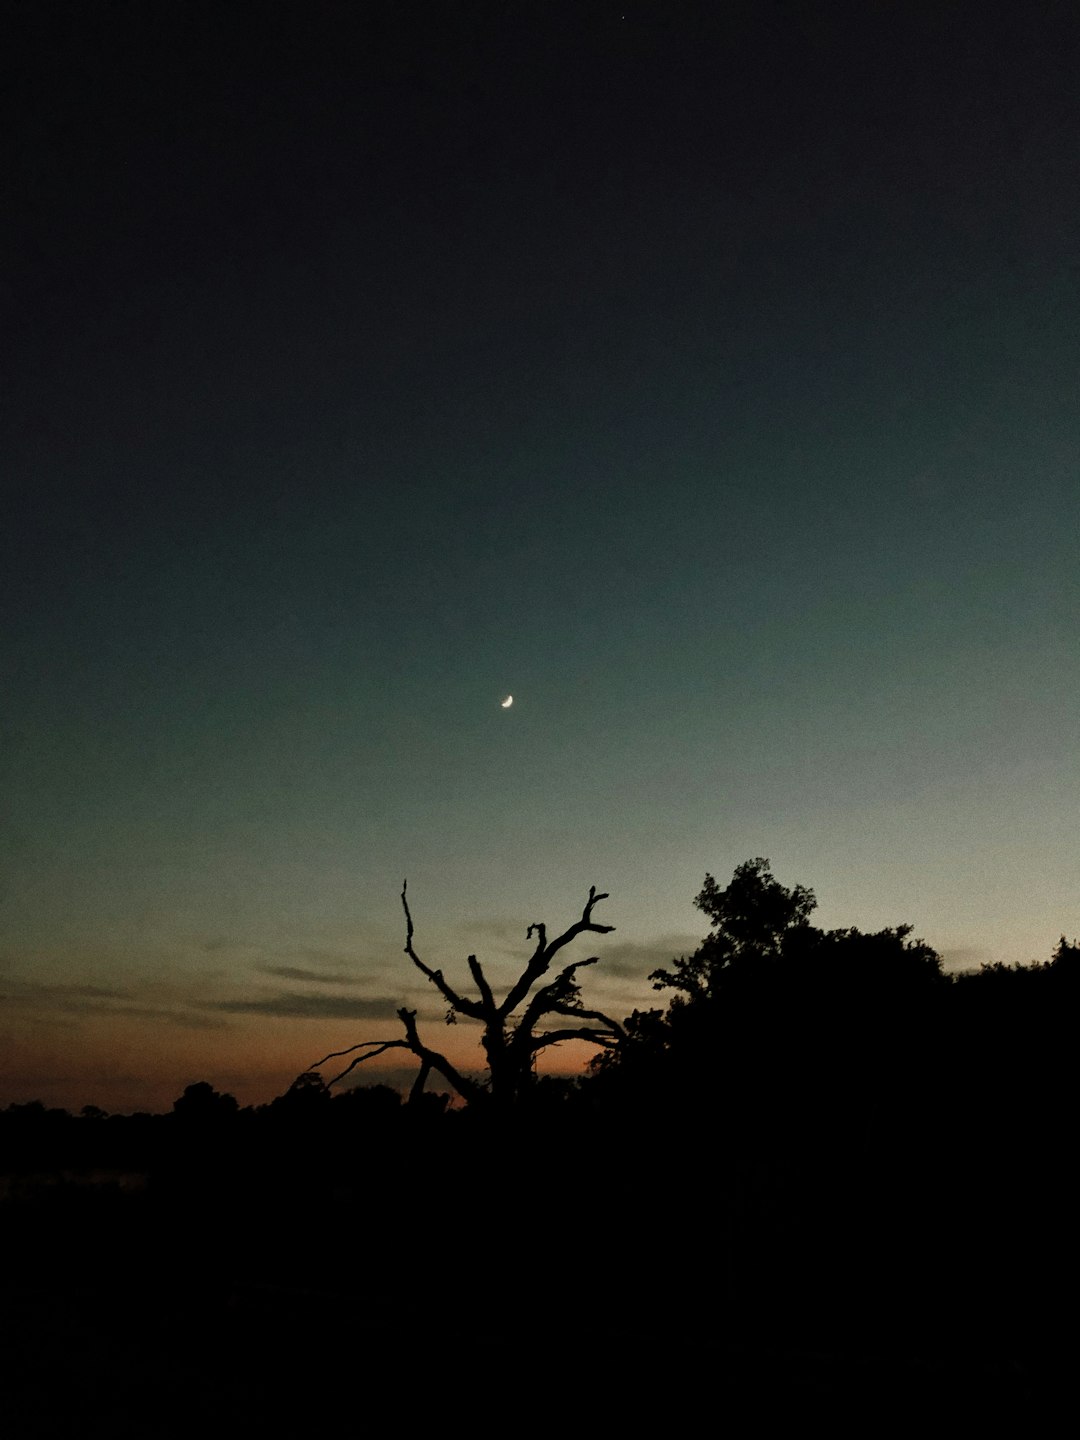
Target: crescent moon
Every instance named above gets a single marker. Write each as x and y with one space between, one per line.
507 702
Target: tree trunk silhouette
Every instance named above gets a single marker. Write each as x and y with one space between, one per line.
511 1042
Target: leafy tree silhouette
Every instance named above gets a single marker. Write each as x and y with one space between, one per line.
201 1103
511 1040
763 945
1065 961
306 1096
771 996
369 1102
755 920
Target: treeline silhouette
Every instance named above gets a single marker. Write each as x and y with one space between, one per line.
838 1175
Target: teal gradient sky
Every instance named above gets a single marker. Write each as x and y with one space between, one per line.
711 387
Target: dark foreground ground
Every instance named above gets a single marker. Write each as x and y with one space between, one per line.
238 1359
296 1306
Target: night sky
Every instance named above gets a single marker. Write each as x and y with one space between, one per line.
705 376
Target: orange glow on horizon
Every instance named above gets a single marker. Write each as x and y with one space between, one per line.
126 1062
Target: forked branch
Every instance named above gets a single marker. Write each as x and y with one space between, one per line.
455 1001
546 950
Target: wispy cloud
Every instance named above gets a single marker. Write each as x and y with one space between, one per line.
316 977
85 1001
58 994
507 931
61 997
963 958
310 1007
334 953
633 960
184 1019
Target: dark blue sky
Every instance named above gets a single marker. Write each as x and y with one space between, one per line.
705 376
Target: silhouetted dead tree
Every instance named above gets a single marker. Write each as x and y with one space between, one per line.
511 1042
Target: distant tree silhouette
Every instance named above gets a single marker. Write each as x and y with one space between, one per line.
511 1040
307 1095
369 1103
1065 961
202 1103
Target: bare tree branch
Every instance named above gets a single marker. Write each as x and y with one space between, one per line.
546 951
456 1001
337 1054
561 988
419 1083
382 1046
487 999
541 937
467 1089
556 1037
578 1012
